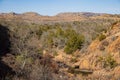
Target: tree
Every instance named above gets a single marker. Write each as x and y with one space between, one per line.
74 42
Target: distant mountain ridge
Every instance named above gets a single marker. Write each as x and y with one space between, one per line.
87 14
67 16
59 14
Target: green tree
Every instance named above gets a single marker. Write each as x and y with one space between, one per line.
59 32
69 32
74 42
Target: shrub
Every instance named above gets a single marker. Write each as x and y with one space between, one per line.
40 72
69 32
102 37
39 32
59 32
73 43
50 42
108 61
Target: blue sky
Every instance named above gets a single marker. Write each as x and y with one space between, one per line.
52 7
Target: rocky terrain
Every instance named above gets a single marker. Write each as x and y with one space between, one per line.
67 46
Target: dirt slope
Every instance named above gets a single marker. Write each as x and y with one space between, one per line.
98 53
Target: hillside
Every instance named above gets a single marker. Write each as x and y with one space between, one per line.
101 58
61 17
67 46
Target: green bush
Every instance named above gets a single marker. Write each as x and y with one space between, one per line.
102 37
73 43
50 42
108 61
69 33
39 32
59 32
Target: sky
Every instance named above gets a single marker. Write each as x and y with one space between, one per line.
53 7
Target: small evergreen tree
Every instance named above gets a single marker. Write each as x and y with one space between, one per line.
74 42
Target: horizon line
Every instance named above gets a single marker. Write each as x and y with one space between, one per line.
58 13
